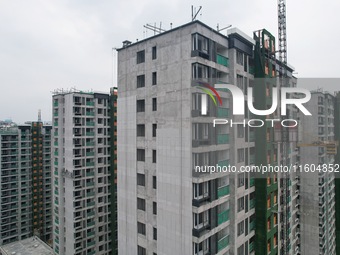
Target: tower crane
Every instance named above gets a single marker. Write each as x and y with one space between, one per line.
282 54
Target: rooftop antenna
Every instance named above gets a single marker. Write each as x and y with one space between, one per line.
154 28
194 13
39 115
220 29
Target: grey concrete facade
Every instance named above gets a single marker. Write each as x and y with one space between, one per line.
81 193
317 193
15 176
195 213
22 150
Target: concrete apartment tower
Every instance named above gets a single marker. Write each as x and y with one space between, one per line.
81 173
25 174
16 182
42 181
164 205
317 186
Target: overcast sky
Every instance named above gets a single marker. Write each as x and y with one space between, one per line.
45 45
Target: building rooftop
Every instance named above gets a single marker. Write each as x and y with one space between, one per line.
127 43
62 91
29 246
235 30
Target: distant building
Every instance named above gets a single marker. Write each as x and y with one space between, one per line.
25 175
29 246
317 187
41 181
81 173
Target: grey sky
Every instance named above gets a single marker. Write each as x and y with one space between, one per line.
61 44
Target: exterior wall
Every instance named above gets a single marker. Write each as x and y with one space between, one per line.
113 170
337 161
177 149
173 144
15 193
317 190
41 181
81 194
242 142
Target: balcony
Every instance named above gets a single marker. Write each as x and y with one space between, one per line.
90 194
200 142
89 205
89 164
252 225
90 214
89 113
199 200
223 139
201 228
90 234
252 203
251 247
90 123
90 224
252 70
222 243
252 159
222 60
90 154
251 182
223 191
89 174
223 163
90 103
222 217
89 133
89 184
252 136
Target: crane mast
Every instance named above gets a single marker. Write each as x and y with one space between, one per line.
282 55
282 29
